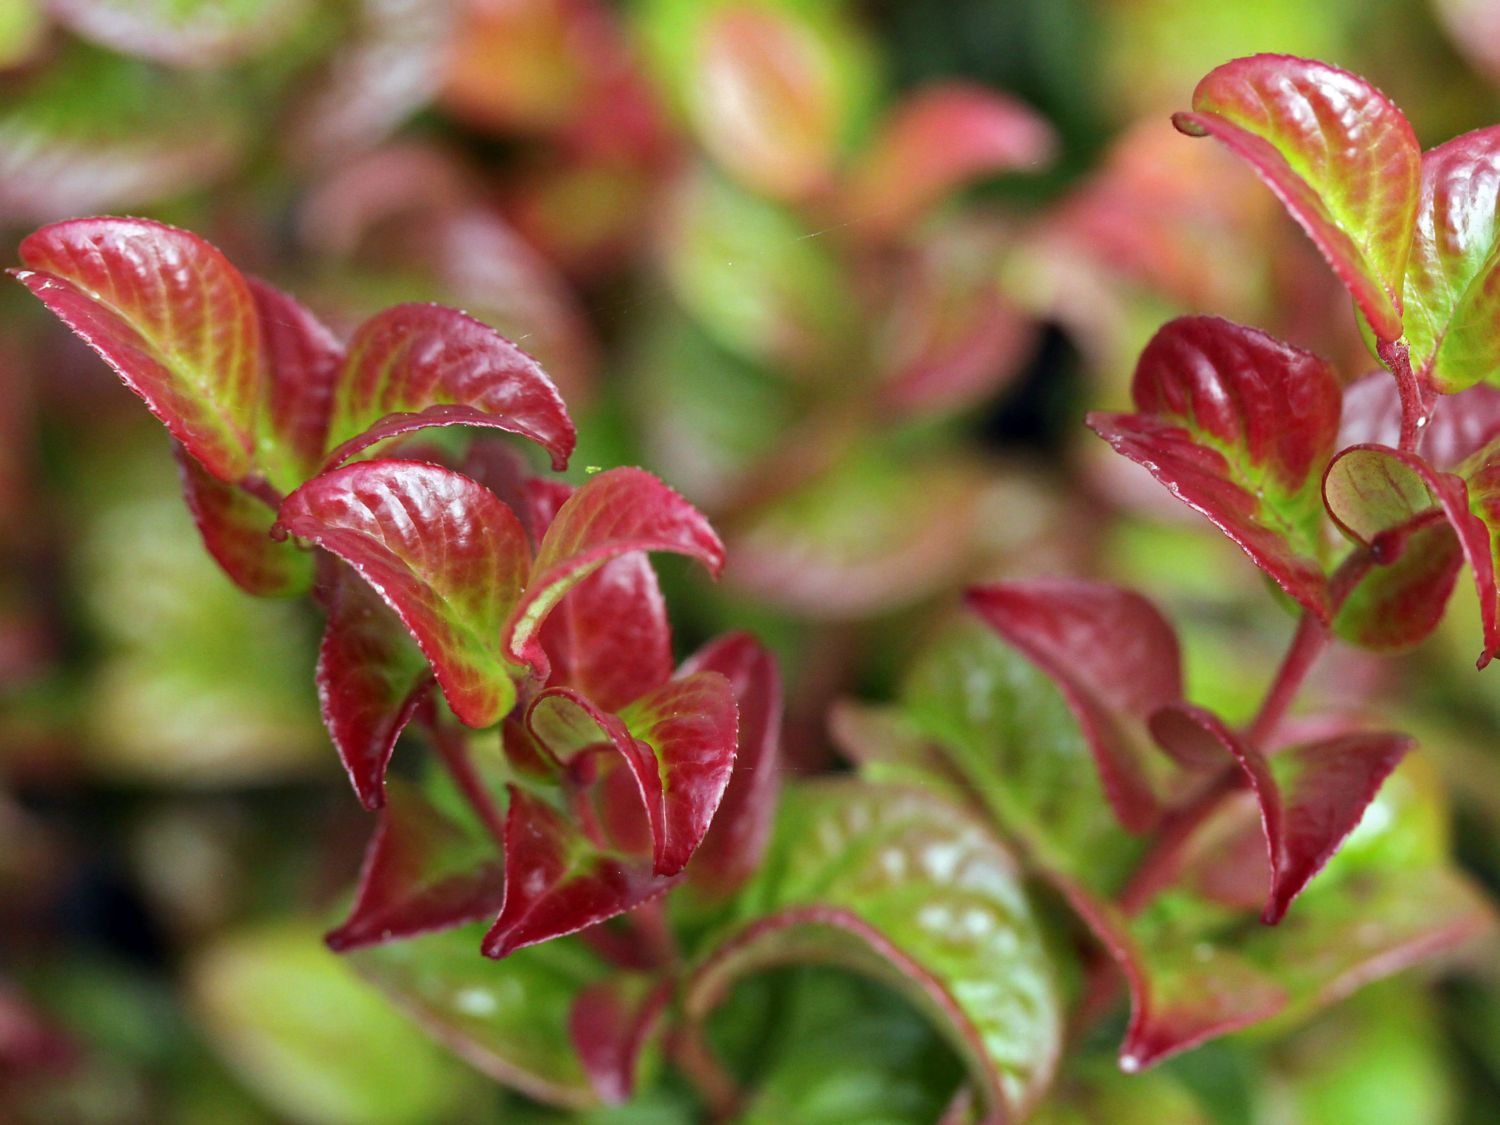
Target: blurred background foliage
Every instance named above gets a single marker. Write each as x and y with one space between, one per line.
717 225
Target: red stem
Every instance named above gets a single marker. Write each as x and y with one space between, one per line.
718 1089
1397 357
455 756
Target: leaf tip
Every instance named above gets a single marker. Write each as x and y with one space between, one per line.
1188 125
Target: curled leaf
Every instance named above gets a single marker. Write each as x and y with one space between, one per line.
609 1025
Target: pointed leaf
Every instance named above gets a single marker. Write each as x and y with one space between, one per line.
170 315
1337 153
414 366
936 141
557 881
370 679
614 513
236 530
427 868
1458 427
914 892
302 361
1453 278
609 1025
1311 796
442 551
1115 659
1239 426
731 851
1381 497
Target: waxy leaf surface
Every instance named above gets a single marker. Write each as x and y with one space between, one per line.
914 891
615 513
170 315
413 366
1311 796
442 551
1453 279
1340 156
302 361
1239 426
1115 659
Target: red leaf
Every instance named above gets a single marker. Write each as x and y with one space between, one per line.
1336 152
1379 496
614 513
940 138
1459 426
236 530
414 366
609 1025
1239 426
170 315
442 551
302 361
557 882
370 680
1116 661
423 871
732 849
1311 796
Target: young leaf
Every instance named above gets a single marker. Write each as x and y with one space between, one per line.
940 138
914 892
609 1025
1481 473
557 881
615 513
1311 796
1115 659
302 361
736 839
371 677
1337 153
1383 498
170 315
413 366
1453 278
442 551
236 530
1239 426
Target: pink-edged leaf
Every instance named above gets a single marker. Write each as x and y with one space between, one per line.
731 850
425 870
615 513
302 360
609 1024
1384 498
370 679
1453 277
1459 426
1239 426
236 530
442 551
904 887
609 636
170 315
939 139
1337 153
414 366
557 881
1311 796
1481 473
1116 661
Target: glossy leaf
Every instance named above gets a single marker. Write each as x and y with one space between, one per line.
558 881
1337 153
302 361
236 530
1453 279
615 513
1311 796
427 868
906 888
1481 473
370 679
170 315
936 141
1458 427
1239 426
442 551
508 1020
413 366
609 1024
190 34
1378 497
1115 659
731 850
